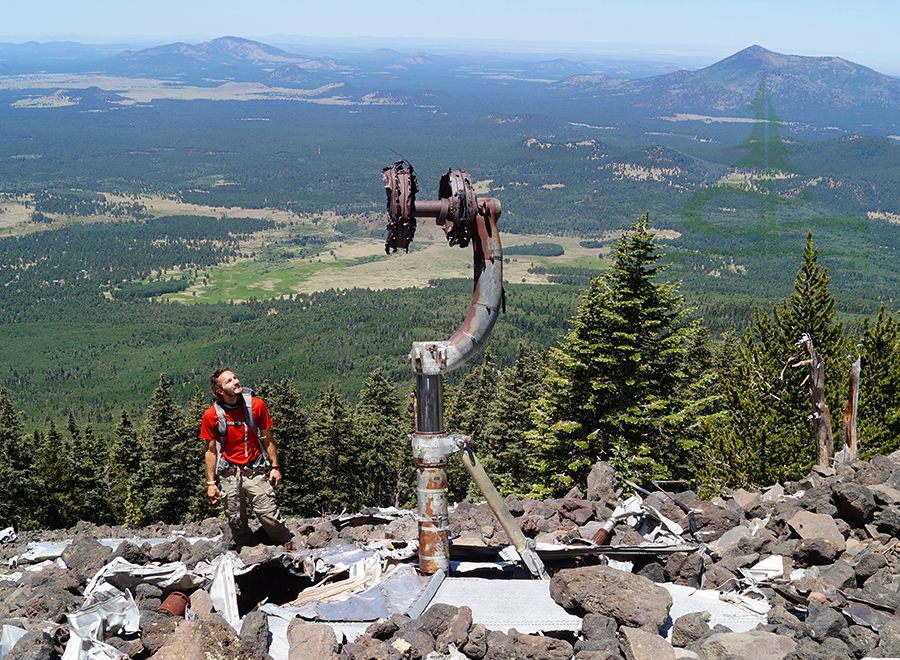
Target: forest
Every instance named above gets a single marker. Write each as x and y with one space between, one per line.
634 380
663 356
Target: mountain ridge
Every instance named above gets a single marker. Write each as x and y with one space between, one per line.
795 84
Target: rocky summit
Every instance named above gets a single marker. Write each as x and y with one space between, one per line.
817 560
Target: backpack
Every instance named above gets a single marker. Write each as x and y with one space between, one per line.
249 420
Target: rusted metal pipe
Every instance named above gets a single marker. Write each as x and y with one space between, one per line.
464 219
440 357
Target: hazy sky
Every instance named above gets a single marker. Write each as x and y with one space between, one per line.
864 31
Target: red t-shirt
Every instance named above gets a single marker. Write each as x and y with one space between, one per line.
234 449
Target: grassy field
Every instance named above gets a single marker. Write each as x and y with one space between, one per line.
341 263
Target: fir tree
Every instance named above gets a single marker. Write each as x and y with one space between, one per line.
296 494
379 434
124 468
610 390
503 450
199 507
332 456
466 412
769 435
879 410
89 463
53 480
167 473
16 464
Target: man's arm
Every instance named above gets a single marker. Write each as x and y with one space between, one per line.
211 457
268 443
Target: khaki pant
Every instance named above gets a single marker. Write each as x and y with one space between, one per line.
251 487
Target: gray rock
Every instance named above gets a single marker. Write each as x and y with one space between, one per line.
208 636
201 603
888 521
753 645
889 639
715 576
131 553
602 484
778 616
500 646
861 640
421 643
689 629
36 645
885 495
839 575
514 505
823 622
642 645
85 556
855 502
629 599
456 631
685 569
596 627
255 630
437 618
311 641
869 564
476 643
539 647
815 552
817 526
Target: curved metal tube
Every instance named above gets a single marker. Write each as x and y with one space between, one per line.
431 358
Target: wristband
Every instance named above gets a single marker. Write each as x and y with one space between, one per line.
210 483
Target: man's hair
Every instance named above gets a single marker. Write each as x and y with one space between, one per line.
214 382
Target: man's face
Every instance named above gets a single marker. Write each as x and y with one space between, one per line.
229 385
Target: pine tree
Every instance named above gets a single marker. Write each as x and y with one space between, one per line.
16 466
124 469
296 494
503 450
769 435
466 412
89 463
879 409
379 434
53 477
332 456
609 392
199 507
167 474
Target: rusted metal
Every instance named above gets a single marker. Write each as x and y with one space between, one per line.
465 220
430 453
401 188
175 604
439 357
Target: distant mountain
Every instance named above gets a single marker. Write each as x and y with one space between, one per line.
90 98
289 73
221 53
560 65
796 86
54 51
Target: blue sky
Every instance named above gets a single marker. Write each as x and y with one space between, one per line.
864 31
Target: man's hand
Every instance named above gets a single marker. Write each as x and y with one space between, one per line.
275 476
213 493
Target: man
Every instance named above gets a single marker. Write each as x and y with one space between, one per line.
238 459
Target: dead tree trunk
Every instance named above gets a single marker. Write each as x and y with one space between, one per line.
848 422
821 415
